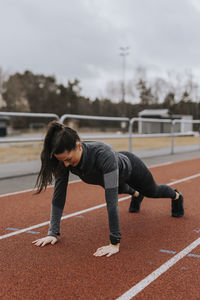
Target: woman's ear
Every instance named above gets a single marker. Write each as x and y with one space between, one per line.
79 146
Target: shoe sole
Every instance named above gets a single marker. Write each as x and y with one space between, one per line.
134 210
177 216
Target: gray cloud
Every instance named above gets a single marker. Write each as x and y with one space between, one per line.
81 38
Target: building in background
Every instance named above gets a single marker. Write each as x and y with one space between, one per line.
149 127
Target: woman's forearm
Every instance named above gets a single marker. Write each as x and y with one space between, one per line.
113 215
56 214
58 203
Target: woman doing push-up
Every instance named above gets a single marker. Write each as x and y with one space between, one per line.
96 163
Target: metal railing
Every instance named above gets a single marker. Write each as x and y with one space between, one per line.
172 134
97 118
22 114
133 120
86 117
172 130
130 134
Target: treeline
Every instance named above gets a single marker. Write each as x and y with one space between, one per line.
35 93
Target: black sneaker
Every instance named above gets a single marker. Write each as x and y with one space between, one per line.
135 204
177 206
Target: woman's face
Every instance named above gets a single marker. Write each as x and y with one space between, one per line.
71 158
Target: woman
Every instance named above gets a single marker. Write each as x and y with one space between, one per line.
96 163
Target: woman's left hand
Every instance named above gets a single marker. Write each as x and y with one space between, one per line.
107 250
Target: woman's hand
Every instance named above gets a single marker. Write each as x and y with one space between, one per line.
107 250
45 241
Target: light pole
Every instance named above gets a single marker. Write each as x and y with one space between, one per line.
124 51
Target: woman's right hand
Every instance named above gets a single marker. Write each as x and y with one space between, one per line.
45 241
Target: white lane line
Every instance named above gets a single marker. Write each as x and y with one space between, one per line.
184 179
86 210
161 165
64 217
34 190
136 289
155 274
173 162
75 181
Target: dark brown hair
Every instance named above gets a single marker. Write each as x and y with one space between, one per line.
58 139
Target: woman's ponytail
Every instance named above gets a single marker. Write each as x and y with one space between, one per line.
48 162
58 139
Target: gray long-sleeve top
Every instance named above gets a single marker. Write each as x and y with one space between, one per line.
99 165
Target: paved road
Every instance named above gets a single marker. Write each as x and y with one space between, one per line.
22 176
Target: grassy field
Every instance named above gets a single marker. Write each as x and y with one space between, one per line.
31 151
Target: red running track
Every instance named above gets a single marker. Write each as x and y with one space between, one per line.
68 270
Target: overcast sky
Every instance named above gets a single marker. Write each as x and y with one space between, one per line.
81 38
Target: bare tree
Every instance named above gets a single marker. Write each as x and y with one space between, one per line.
113 90
181 82
191 86
159 89
3 78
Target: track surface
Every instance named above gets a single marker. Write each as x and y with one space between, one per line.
68 270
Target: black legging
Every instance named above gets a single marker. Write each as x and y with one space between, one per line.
142 181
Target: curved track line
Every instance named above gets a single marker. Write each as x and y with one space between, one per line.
86 210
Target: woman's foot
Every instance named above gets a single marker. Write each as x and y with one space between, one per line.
135 203
177 205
